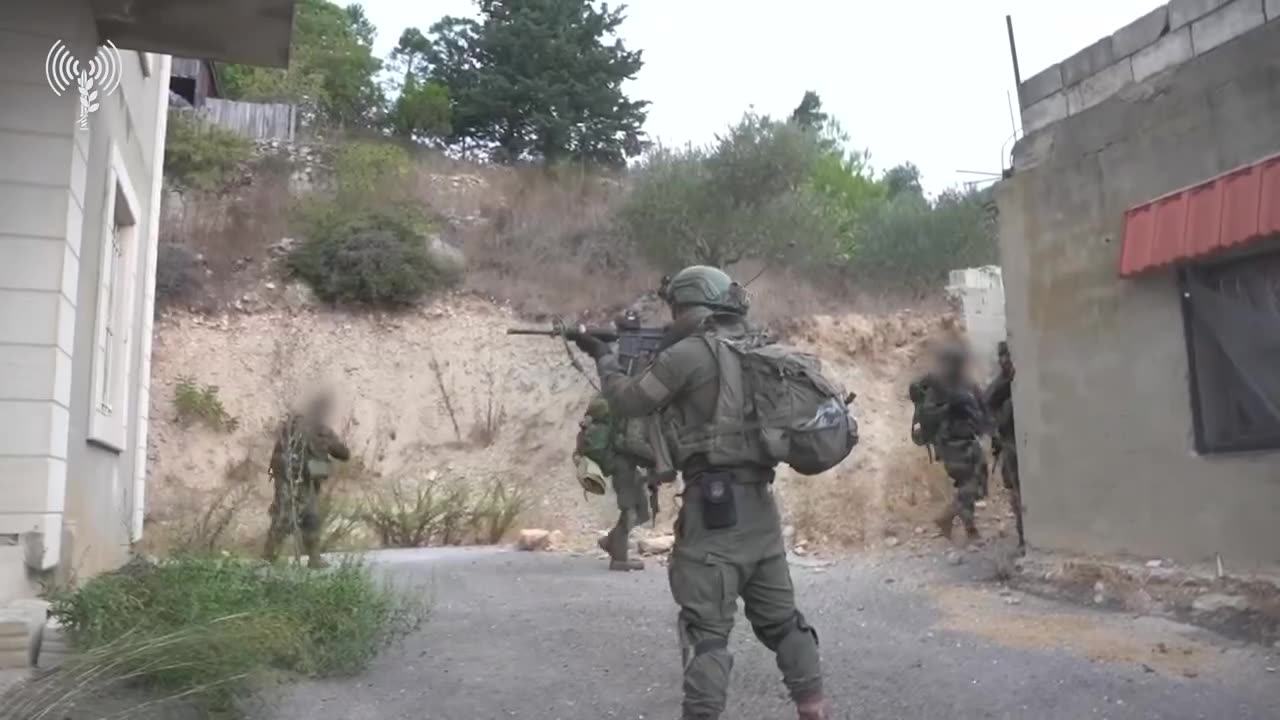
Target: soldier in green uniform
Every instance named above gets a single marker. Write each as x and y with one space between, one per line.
728 534
300 461
951 418
598 440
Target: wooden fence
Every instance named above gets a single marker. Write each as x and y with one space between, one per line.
258 121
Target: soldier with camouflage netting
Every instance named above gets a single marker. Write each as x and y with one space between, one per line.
300 462
951 418
598 441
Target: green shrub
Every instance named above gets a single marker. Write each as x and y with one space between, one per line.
747 196
362 256
201 156
366 171
910 242
210 626
196 403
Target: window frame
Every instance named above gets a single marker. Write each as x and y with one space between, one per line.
113 328
1204 445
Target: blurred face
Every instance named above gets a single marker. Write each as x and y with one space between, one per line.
320 407
1006 363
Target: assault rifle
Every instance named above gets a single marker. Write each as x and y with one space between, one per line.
636 345
636 348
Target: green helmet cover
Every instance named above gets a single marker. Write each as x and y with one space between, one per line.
706 286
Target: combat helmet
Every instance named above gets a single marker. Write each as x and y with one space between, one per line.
708 287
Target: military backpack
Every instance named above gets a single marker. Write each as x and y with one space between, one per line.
799 415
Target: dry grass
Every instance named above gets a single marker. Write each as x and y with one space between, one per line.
227 237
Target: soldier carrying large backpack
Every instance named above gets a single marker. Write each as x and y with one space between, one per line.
732 406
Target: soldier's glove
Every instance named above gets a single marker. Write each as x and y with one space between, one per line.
591 345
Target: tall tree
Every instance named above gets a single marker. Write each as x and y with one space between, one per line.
903 179
808 114
332 70
540 79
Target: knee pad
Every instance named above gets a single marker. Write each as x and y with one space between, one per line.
774 635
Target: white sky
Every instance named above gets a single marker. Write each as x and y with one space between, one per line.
924 80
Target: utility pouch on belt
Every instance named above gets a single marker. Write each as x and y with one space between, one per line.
318 469
719 510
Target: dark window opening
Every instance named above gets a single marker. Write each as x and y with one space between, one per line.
186 87
1232 318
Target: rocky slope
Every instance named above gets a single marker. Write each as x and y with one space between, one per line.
443 394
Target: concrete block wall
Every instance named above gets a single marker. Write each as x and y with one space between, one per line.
1105 423
980 292
1156 42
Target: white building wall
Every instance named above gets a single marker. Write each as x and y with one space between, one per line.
980 292
53 198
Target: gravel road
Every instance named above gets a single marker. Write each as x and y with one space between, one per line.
904 635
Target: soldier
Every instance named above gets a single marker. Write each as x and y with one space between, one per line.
300 462
598 441
728 533
1004 443
951 418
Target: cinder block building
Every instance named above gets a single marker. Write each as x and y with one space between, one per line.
1140 243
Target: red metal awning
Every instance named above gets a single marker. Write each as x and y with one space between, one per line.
1216 215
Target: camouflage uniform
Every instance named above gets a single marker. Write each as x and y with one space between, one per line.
1004 444
300 462
953 419
597 440
728 533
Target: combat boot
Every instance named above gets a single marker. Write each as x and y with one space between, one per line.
626 565
315 560
814 708
944 522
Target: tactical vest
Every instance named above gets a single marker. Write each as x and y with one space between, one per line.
719 449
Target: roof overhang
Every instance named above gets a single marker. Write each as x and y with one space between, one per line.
1221 214
253 32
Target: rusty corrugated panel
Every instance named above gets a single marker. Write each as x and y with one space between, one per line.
1234 208
1240 191
1204 222
1171 229
1269 204
1139 227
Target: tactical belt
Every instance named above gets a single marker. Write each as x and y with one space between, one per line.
743 474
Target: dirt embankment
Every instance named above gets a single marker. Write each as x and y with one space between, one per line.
443 393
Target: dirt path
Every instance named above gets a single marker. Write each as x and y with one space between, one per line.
556 637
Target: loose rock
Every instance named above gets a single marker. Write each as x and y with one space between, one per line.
660 545
533 539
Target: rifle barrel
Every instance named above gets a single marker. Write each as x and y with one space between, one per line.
524 331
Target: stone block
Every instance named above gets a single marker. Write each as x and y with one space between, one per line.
1140 33
1098 87
1042 85
1273 10
1046 112
1088 62
1227 23
1183 12
1169 51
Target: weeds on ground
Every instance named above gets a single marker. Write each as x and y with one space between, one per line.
196 403
497 511
207 628
436 513
491 417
